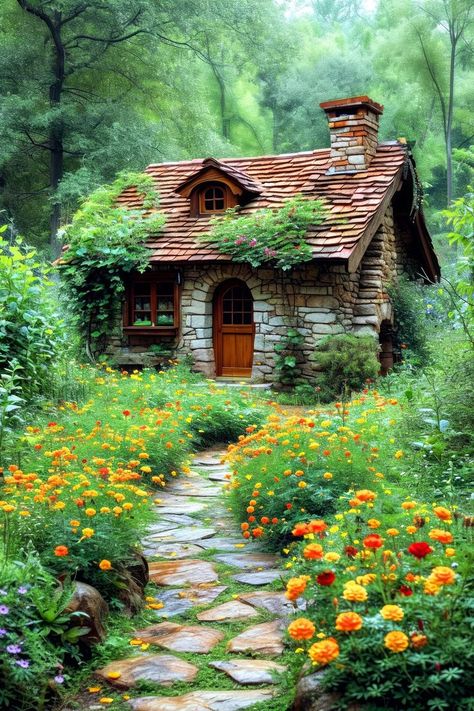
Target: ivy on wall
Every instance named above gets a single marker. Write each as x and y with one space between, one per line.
276 237
106 241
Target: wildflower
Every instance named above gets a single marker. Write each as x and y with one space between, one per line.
354 592
126 413
301 628
325 651
23 663
348 622
105 564
313 551
441 575
419 549
61 551
332 557
326 578
58 679
396 641
399 454
13 649
392 612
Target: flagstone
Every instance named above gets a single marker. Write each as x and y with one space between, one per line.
266 638
248 560
178 506
179 572
250 671
189 533
178 601
274 602
232 610
163 669
171 550
221 543
181 638
203 701
181 519
262 577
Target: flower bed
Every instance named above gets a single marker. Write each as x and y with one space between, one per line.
388 611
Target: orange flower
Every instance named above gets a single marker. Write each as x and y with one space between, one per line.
442 513
300 529
324 652
442 575
313 551
365 495
373 523
105 564
61 551
301 628
316 526
418 640
440 535
295 587
392 612
396 641
348 622
354 592
408 505
373 540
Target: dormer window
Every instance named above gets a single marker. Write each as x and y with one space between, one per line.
213 199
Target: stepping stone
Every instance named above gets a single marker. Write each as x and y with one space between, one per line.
203 701
221 543
199 493
171 550
219 475
163 669
178 601
181 638
179 572
208 460
250 671
259 578
232 610
157 527
193 533
181 519
274 602
266 638
179 506
248 560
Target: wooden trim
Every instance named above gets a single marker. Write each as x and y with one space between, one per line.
211 175
151 330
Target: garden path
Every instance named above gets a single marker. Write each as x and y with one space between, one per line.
221 625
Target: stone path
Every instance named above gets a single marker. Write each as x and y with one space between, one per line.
220 621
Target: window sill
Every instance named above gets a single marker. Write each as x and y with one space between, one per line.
151 330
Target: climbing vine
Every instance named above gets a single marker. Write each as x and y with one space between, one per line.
267 236
105 241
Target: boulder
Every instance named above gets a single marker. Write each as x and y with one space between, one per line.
88 600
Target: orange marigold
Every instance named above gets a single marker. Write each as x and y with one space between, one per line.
295 587
442 513
418 640
396 641
313 551
392 612
353 592
348 622
324 652
61 551
302 628
365 495
442 575
440 535
316 526
300 529
105 565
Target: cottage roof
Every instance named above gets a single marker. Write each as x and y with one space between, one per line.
356 202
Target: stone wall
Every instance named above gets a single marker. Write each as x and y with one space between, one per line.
318 300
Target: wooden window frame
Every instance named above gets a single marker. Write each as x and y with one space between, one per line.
154 280
198 208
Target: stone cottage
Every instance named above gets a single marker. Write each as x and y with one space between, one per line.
227 316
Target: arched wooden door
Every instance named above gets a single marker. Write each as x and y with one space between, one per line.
233 329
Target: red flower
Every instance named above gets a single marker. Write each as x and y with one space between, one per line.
405 590
420 549
350 551
326 578
373 540
126 413
52 424
288 506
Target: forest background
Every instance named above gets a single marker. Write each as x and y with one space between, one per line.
92 87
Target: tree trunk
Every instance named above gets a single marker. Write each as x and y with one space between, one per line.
56 133
449 118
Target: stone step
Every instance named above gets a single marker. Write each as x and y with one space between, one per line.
203 701
163 669
196 639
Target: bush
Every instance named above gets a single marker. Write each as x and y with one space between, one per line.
346 362
412 310
385 585
31 332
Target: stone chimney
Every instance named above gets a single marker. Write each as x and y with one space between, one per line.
354 127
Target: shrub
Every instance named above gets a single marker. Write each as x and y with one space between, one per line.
385 585
346 362
411 308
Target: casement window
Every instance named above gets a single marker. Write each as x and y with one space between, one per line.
211 198
152 304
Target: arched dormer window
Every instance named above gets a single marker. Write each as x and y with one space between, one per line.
213 198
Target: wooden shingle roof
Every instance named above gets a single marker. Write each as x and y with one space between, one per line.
355 202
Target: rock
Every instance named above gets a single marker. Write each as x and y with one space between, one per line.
248 560
221 543
193 533
181 638
311 697
181 519
203 701
250 671
89 600
163 669
259 578
232 610
178 505
266 638
139 570
172 550
178 601
274 602
180 572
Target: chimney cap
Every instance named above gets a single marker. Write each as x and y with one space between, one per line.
352 102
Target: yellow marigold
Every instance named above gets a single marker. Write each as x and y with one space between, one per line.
393 532
354 592
90 512
392 612
411 529
74 523
324 652
442 575
398 454
450 552
302 628
332 557
327 475
431 588
348 622
88 532
373 523
396 641
296 587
